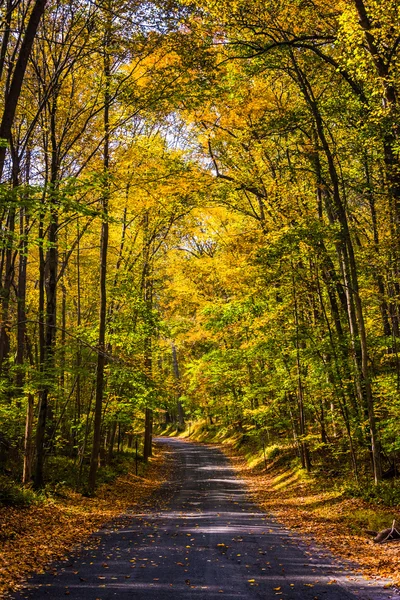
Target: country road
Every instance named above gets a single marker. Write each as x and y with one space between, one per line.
208 542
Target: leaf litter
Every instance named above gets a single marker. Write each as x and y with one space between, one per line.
326 517
33 537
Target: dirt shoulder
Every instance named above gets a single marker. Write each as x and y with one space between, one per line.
33 537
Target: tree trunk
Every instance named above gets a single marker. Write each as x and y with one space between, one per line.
21 306
148 434
6 291
148 359
337 211
28 446
7 285
50 284
181 414
111 441
305 455
12 97
78 408
103 266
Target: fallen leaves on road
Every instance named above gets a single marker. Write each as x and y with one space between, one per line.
329 519
37 535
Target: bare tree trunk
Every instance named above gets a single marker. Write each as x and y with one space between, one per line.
305 455
7 285
78 407
148 434
111 441
48 357
21 306
50 284
12 97
28 445
181 414
63 335
6 35
148 360
294 425
6 291
21 337
103 266
148 425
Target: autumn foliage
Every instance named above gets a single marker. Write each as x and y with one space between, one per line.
200 219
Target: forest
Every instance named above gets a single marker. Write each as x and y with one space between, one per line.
200 223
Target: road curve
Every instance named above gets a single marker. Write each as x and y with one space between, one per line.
209 542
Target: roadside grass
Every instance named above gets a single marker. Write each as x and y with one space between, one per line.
327 505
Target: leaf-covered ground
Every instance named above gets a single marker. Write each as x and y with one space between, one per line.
33 537
332 520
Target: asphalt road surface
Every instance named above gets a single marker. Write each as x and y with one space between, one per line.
209 542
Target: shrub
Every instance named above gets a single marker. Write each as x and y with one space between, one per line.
14 494
387 493
273 452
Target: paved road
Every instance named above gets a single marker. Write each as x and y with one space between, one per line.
209 543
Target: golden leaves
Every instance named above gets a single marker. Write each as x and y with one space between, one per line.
41 534
331 519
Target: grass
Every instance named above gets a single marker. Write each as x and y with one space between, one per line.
386 493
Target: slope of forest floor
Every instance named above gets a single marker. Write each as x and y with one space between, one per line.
313 506
32 537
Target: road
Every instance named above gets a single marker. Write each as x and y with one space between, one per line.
208 543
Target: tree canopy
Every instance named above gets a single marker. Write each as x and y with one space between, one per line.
200 219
